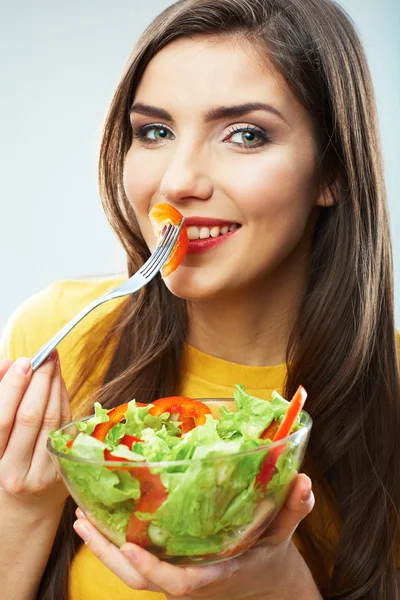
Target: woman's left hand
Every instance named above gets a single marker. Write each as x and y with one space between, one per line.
269 569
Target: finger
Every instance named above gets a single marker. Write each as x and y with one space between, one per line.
297 506
177 581
29 416
166 577
12 388
5 364
66 415
110 555
51 420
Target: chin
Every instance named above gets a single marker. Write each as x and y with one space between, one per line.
190 284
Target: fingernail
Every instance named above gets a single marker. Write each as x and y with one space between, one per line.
79 513
130 555
22 366
82 531
306 495
53 355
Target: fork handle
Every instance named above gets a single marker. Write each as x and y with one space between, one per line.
45 350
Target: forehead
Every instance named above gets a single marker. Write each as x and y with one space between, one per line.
195 73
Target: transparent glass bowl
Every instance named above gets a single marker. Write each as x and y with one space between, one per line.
222 508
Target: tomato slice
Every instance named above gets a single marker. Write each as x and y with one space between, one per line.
153 494
191 412
268 467
160 216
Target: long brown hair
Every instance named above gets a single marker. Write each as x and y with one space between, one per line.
343 346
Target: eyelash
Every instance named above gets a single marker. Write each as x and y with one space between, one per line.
139 132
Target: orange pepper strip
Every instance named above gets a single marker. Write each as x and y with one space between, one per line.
268 467
160 216
115 416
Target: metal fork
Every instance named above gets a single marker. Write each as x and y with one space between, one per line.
138 280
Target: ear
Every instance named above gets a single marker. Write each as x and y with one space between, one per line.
327 196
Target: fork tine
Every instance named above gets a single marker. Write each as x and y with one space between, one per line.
151 259
168 244
157 252
157 258
157 255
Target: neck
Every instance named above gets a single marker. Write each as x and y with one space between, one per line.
251 327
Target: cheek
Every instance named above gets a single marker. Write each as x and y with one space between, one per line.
279 185
140 185
140 182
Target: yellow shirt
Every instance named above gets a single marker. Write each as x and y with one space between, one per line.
206 377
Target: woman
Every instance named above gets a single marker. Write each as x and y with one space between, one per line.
254 115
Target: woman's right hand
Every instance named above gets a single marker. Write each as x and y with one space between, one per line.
31 404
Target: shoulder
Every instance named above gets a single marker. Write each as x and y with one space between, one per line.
43 314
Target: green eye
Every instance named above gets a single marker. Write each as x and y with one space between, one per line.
158 133
246 137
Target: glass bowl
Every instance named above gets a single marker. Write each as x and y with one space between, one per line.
197 511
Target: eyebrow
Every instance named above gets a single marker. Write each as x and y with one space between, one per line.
214 114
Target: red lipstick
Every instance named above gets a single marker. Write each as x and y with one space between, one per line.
202 245
206 222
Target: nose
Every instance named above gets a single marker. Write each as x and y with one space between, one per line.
186 178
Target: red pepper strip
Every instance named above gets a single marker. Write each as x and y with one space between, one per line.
128 440
271 430
69 444
153 494
191 412
109 456
268 467
115 416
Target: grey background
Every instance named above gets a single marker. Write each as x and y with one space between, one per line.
59 64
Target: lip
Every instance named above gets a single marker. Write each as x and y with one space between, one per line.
200 246
207 221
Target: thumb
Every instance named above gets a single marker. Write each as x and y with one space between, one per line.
299 503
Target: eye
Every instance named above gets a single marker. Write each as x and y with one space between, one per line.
153 133
248 137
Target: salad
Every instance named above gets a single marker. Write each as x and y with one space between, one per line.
176 479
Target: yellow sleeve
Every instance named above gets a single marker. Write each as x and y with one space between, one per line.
32 323
42 315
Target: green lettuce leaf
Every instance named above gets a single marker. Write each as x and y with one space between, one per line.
114 518
100 416
286 469
96 482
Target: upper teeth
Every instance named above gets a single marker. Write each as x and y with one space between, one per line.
202 233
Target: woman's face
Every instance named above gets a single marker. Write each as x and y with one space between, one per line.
218 134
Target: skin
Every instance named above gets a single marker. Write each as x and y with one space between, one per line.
254 279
